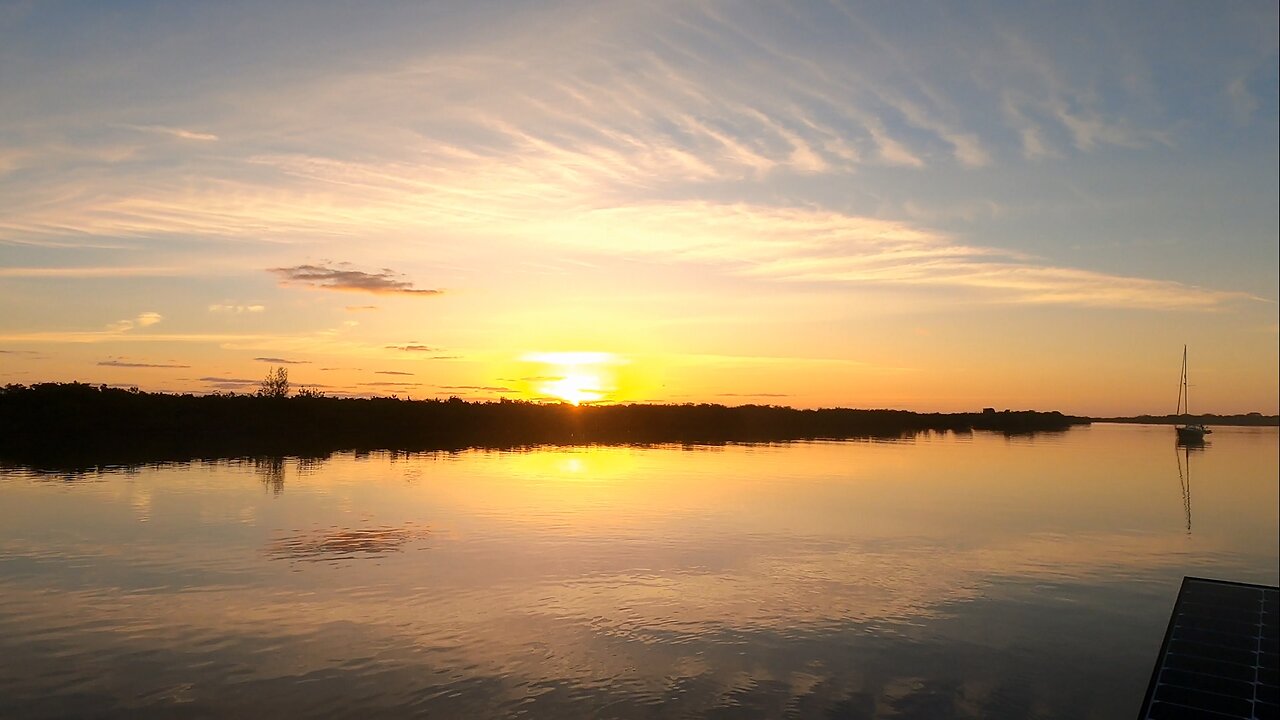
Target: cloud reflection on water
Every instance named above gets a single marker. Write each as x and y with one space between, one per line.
342 543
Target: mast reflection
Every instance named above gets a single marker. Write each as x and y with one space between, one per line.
1182 452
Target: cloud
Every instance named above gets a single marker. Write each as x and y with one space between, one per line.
125 364
282 361
145 319
437 357
391 372
179 133
230 381
412 348
92 272
484 388
782 244
388 383
116 336
360 308
1243 103
573 358
342 277
236 309
563 135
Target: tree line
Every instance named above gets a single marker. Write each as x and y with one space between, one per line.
76 424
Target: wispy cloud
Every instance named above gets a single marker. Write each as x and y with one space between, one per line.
391 372
129 364
481 388
544 154
91 272
180 133
412 348
1243 102
802 245
282 361
361 308
574 358
146 319
110 336
342 277
236 309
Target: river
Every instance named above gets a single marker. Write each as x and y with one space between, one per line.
966 576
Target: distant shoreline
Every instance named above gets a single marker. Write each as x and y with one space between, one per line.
1247 420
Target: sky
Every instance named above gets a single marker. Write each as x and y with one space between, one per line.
935 207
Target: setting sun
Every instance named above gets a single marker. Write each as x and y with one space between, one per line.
576 388
575 377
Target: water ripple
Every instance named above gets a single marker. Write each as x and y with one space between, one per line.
334 544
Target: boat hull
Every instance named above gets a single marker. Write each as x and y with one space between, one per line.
1191 433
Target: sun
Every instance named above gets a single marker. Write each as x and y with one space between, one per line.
575 386
574 377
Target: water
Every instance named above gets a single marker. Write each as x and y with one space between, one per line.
967 576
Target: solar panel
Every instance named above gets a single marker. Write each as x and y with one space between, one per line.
1221 654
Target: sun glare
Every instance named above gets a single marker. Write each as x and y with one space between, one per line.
575 387
575 377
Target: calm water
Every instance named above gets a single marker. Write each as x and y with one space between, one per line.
946 576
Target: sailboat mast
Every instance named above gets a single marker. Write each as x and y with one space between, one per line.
1182 381
1186 386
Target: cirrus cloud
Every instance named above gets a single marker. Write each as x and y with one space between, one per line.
341 276
122 363
230 309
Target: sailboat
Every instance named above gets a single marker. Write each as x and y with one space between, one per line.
1187 433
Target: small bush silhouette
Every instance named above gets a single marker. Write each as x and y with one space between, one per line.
276 384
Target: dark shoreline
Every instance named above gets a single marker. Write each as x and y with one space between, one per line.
1248 420
74 425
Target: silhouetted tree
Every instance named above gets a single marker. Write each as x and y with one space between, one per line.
276 384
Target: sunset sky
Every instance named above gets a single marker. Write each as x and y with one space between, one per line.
928 206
